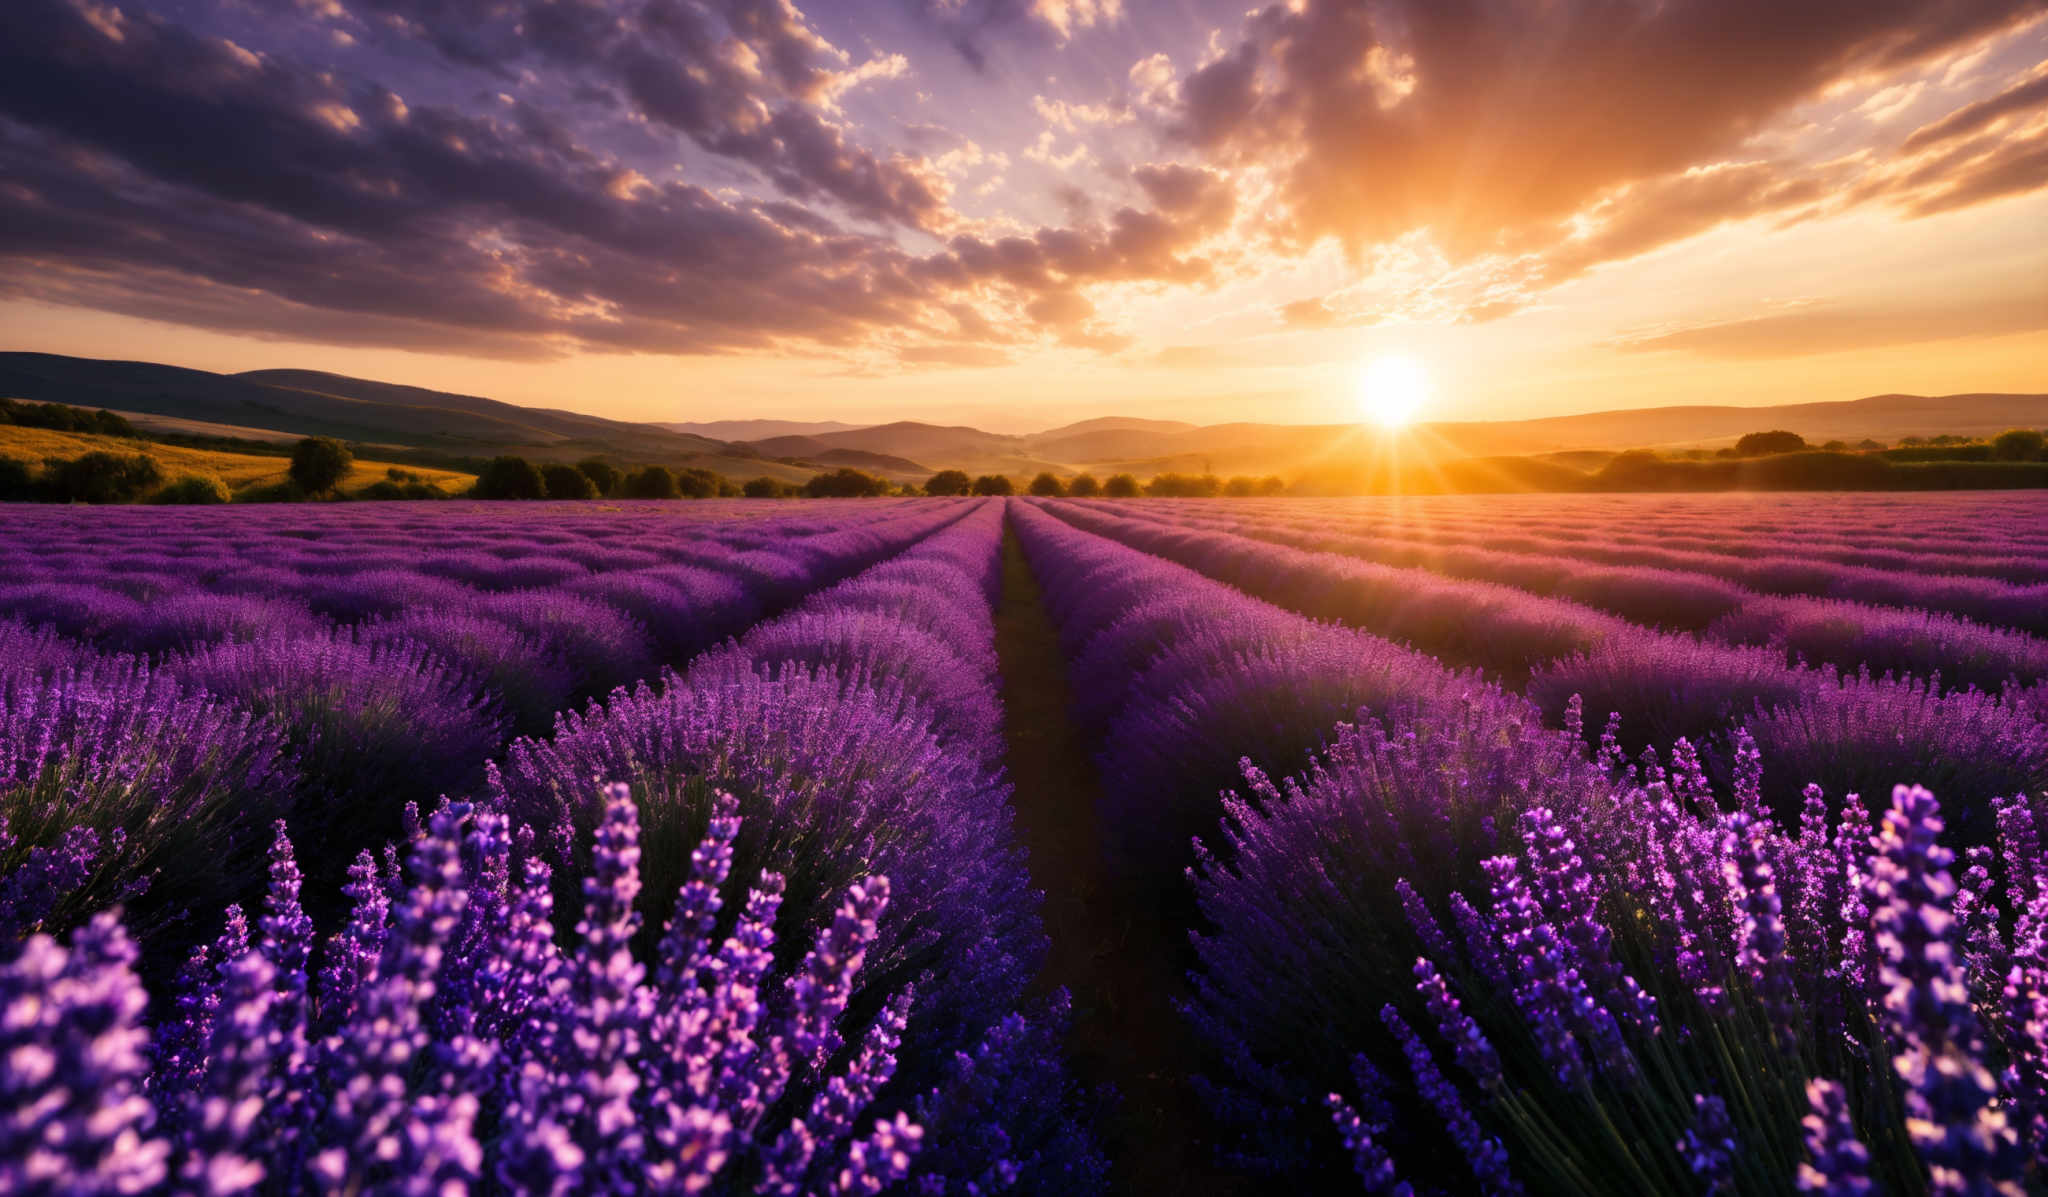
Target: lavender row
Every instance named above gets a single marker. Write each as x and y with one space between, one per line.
859 736
1843 731
1506 971
858 1020
1180 678
332 726
1656 585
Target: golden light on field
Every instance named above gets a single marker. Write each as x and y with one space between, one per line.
1392 390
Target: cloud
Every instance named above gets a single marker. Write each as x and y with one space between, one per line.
2019 99
1836 329
1492 126
164 170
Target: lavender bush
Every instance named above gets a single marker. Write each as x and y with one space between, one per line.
449 1042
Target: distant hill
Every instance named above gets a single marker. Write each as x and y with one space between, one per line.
310 403
269 403
755 430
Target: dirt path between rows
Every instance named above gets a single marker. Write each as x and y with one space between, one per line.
1109 948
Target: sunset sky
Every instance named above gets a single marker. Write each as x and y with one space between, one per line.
1016 213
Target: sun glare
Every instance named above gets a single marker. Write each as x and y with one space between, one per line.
1392 390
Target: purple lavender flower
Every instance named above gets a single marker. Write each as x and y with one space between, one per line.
1708 1146
1485 1156
73 1117
1963 1135
1837 1164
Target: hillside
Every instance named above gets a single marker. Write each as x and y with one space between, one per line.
239 470
270 404
310 403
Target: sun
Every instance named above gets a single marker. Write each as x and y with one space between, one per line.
1392 389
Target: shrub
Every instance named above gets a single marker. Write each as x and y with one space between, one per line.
765 487
845 483
375 726
1047 486
450 1039
601 473
2019 444
510 478
382 490
994 484
1181 486
102 477
650 482
1303 888
193 489
567 482
319 464
118 786
1083 486
1120 486
1763 444
1241 487
697 483
948 482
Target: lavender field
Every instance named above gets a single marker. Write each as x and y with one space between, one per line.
1607 844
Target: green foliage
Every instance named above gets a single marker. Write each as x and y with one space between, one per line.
695 483
949 482
1120 486
603 476
1047 486
765 487
567 482
2019 444
651 482
61 418
845 483
286 491
1763 444
193 490
319 463
510 478
1183 486
1084 486
994 484
102 477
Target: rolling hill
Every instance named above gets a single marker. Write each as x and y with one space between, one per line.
310 403
268 404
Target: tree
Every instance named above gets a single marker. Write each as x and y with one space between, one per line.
993 484
1272 485
102 477
1120 486
948 482
845 483
653 482
567 482
1182 486
1084 486
765 487
1763 444
319 463
510 478
2018 444
1241 487
1047 486
601 473
193 490
695 483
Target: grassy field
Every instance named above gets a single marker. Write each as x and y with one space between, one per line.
239 471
